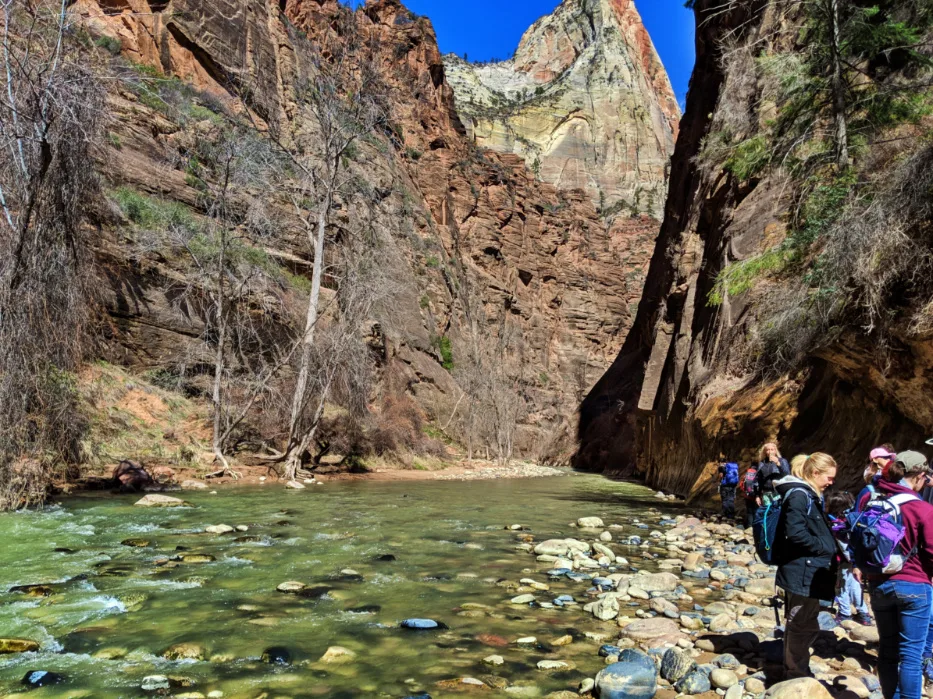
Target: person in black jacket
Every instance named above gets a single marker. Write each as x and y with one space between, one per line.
771 467
806 552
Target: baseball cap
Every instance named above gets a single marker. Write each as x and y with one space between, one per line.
881 453
912 461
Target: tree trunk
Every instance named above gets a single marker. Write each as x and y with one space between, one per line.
297 432
838 87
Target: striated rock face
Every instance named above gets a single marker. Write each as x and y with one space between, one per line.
585 101
484 249
684 391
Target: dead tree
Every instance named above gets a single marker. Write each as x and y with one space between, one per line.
50 116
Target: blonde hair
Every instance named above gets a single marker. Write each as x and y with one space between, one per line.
763 454
807 467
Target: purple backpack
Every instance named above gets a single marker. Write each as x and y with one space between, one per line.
876 535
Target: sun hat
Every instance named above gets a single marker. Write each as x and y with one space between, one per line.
881 453
912 461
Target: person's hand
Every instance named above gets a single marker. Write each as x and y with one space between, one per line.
773 459
857 574
758 501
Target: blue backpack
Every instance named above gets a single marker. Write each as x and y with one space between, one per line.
765 526
731 474
876 534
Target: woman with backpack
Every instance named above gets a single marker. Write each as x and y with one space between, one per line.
771 468
877 459
728 481
807 556
901 600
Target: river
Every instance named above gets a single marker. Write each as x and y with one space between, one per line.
371 553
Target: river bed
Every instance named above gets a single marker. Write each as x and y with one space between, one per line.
371 554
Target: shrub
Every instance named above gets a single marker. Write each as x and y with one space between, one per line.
110 44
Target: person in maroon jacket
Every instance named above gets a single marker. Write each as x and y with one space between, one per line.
901 601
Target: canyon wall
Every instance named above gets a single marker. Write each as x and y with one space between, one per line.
585 101
477 238
694 382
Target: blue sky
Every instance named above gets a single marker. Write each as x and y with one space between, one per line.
486 29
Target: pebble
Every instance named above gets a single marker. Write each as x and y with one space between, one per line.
494 660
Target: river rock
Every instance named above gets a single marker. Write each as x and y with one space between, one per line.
590 523
760 586
41 678
605 536
184 651
653 631
157 500
656 582
722 623
663 606
604 550
295 485
152 683
561 547
219 529
522 599
723 679
675 664
606 608
691 623
421 624
753 685
136 543
553 665
18 645
277 655
634 676
191 484
291 586
695 682
868 634
494 660
801 688
338 655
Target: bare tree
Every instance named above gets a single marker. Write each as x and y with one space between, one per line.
50 116
344 102
236 279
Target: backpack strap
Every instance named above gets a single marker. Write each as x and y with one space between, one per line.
800 488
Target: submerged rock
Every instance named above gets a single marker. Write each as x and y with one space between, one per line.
338 655
18 645
33 590
291 586
295 485
41 678
136 543
152 683
219 529
184 651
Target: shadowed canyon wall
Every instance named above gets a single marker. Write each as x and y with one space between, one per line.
689 387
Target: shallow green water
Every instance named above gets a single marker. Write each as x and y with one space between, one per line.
450 546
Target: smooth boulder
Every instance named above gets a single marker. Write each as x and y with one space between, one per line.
157 500
634 676
676 664
801 688
18 645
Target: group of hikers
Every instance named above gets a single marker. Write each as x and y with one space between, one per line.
827 544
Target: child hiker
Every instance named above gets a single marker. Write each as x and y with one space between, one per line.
850 596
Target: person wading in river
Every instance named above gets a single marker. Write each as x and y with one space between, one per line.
806 554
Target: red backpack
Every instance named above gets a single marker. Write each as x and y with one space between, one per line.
748 483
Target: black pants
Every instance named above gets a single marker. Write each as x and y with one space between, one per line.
727 493
751 507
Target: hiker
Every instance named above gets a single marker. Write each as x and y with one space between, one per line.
807 555
877 459
728 480
851 595
750 494
901 600
771 467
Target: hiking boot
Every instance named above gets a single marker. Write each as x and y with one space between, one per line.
839 618
864 620
928 669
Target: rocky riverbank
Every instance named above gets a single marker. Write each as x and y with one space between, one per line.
687 610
